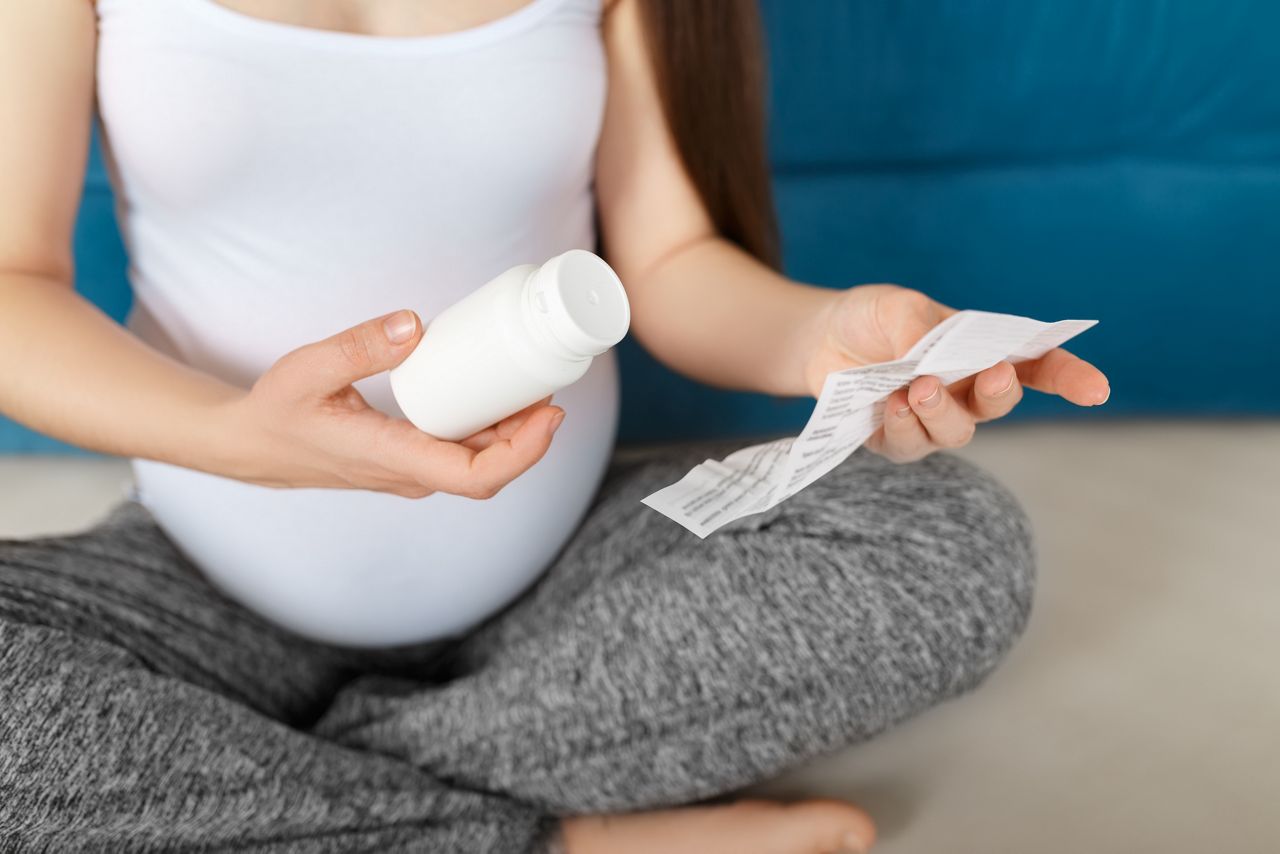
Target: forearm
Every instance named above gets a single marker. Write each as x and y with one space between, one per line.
72 373
714 313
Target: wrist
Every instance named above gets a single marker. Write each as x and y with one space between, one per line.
217 438
809 334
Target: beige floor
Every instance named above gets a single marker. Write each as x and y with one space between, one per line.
1141 713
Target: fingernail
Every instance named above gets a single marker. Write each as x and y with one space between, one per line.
1105 397
853 844
904 412
399 327
555 422
1006 388
932 400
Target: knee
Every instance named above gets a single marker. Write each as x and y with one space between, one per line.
937 555
983 545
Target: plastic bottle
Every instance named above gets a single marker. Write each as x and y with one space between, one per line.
522 336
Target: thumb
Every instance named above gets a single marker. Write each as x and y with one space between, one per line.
334 363
918 318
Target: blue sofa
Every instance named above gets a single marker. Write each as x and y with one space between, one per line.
1083 159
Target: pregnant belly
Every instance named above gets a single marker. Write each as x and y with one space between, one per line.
366 569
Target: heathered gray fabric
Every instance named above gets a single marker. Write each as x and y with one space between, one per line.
142 711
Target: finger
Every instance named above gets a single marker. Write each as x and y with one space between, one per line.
948 424
508 458
504 429
454 468
1066 375
904 438
994 392
327 366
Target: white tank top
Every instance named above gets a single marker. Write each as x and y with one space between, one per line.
278 184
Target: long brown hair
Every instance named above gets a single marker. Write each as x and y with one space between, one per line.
709 60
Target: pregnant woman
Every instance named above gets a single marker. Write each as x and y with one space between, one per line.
313 627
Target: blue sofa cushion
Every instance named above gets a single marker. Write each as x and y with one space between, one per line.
1095 159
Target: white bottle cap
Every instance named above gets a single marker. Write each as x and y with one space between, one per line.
581 302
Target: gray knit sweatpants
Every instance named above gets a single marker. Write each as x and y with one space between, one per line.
142 711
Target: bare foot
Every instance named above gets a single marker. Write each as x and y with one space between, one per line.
745 827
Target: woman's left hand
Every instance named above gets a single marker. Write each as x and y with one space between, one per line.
879 323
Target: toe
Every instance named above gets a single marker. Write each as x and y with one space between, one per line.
835 825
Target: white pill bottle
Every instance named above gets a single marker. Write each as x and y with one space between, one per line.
522 336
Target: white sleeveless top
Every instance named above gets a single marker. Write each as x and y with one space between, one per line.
278 184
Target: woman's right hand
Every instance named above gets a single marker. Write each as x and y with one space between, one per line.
304 425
